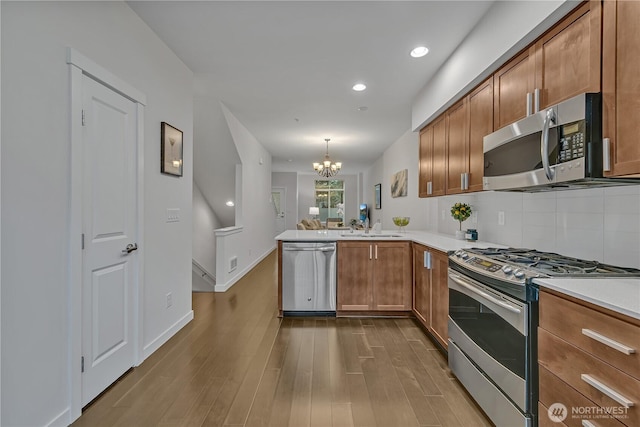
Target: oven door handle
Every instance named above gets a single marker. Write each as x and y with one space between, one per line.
484 295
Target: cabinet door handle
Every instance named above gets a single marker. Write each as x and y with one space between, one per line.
608 391
606 155
376 251
427 260
536 100
608 342
429 187
370 252
462 181
529 109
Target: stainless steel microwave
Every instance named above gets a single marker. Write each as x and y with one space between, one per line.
560 147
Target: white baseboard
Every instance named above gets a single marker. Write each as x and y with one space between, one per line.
63 419
150 348
223 287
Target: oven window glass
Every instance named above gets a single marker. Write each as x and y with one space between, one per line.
489 331
520 155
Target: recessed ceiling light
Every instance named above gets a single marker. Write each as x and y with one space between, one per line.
230 203
363 108
419 51
359 87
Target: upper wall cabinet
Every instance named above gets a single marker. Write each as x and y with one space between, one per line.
432 159
513 89
457 148
568 56
621 85
480 123
563 63
451 155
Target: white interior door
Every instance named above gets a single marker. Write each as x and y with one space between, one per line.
109 271
279 197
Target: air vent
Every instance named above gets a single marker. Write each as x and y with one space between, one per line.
233 263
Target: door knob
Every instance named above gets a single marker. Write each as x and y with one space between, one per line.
130 248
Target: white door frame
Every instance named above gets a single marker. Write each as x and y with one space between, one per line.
80 65
284 192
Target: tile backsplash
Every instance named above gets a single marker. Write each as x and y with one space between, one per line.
600 224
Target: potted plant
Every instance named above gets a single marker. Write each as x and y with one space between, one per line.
460 212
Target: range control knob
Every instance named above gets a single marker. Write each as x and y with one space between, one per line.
464 255
507 269
518 274
458 253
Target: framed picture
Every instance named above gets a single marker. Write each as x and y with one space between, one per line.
170 150
378 189
399 184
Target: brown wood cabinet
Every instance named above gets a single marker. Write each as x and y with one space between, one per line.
432 155
430 291
480 123
421 285
374 276
620 84
451 155
564 62
457 158
513 86
588 358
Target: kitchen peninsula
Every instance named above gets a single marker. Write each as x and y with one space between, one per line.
389 273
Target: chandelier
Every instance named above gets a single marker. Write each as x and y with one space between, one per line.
327 168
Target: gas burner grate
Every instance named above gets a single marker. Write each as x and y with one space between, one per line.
553 264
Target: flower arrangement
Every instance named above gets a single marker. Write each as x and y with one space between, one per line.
461 211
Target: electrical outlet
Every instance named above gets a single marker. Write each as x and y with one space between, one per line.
442 214
173 215
169 300
500 217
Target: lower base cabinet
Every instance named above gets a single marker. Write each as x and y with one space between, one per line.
374 276
589 367
430 291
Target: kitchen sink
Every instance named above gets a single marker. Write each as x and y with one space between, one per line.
372 235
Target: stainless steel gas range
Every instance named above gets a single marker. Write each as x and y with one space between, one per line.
493 318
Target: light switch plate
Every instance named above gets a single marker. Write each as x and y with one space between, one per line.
173 215
500 217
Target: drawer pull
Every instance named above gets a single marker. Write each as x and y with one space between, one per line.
608 342
607 391
587 423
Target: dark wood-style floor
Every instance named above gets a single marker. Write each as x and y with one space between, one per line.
238 364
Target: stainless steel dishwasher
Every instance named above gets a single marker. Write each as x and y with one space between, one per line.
308 278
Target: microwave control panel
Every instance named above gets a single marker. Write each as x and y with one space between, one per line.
571 143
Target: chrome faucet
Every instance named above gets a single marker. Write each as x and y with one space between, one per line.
366 226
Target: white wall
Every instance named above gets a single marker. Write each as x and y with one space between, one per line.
254 213
204 239
505 29
214 158
307 198
35 189
289 181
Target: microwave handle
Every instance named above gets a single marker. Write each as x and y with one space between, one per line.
549 118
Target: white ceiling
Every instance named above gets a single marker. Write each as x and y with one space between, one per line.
285 69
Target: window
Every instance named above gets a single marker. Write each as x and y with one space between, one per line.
330 198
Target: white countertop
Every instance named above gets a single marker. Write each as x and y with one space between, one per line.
442 242
620 294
